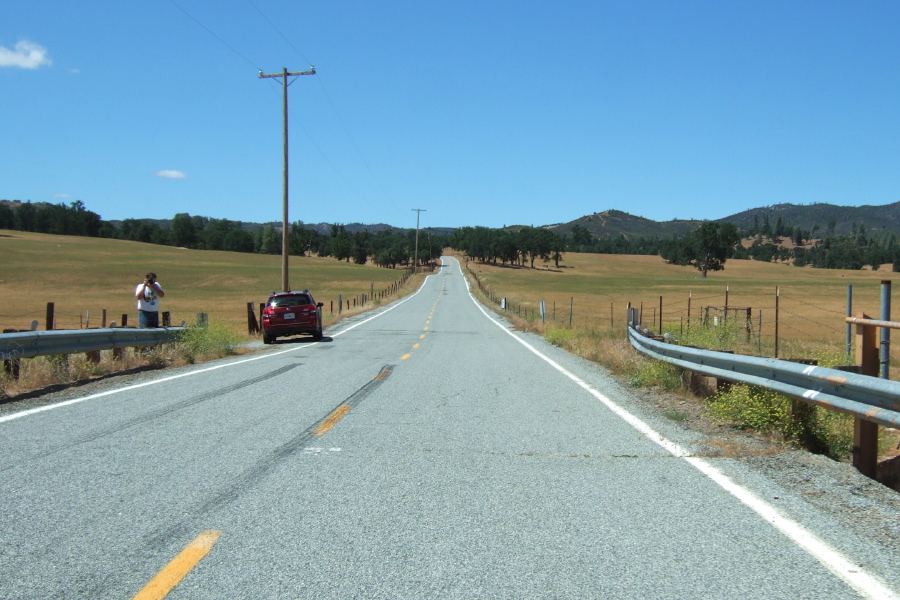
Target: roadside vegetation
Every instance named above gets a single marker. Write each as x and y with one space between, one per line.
597 333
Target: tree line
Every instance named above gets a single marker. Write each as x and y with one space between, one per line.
516 247
708 247
387 248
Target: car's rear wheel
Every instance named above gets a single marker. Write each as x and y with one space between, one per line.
268 339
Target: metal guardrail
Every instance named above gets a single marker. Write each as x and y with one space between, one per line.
29 344
869 398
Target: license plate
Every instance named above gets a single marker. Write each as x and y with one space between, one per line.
288 315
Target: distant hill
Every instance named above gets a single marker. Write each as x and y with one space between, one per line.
874 218
616 222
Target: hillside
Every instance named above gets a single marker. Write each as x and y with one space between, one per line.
844 218
616 222
874 218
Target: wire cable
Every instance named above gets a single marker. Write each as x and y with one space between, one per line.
210 32
333 107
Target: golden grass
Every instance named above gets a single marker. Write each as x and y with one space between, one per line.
812 302
85 275
812 306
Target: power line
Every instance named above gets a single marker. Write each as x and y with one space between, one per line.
210 32
333 106
278 31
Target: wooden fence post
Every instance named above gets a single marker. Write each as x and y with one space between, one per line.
865 433
50 316
252 324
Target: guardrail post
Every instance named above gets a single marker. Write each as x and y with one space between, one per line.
49 321
865 433
11 366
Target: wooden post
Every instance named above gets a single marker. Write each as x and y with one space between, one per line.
103 322
252 325
12 366
166 319
865 433
690 293
776 321
124 320
50 316
660 316
725 318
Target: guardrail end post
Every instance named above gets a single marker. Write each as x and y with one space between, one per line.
865 447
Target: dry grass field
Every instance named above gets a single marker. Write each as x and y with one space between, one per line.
812 302
812 309
85 275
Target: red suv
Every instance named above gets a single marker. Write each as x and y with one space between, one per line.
291 313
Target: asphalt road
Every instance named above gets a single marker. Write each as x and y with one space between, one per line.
421 451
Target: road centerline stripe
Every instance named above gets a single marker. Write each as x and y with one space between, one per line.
172 574
332 419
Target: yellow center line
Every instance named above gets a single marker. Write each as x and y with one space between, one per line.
422 337
415 345
332 419
172 574
426 328
404 357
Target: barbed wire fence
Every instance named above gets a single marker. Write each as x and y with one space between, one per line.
786 317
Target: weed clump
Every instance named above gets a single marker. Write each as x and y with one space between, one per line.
214 340
758 409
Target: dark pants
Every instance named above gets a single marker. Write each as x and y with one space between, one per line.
148 319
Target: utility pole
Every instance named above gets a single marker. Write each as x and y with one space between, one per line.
285 232
416 257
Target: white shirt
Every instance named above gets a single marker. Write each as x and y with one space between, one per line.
148 300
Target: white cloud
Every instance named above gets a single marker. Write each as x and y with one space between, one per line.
169 174
27 55
61 196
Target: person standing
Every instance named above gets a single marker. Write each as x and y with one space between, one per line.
148 295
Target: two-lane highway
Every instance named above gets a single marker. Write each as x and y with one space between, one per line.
421 451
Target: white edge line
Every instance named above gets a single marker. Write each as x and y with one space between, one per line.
40 409
867 585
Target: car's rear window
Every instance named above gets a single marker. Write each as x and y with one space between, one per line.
293 300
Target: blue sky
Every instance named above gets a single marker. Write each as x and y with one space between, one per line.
482 113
